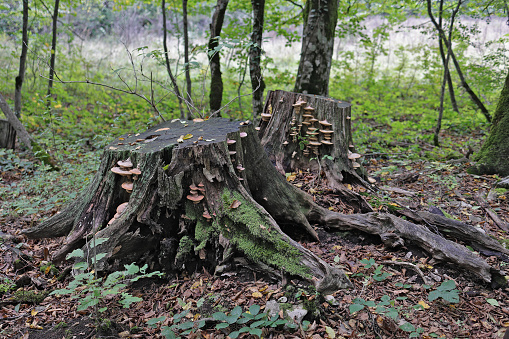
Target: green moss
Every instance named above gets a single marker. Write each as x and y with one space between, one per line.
251 232
501 190
203 230
29 297
186 245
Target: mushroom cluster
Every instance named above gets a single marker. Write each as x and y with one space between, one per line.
125 169
354 156
267 116
196 193
326 132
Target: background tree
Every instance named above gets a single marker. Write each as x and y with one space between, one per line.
255 55
53 52
494 154
216 81
185 23
320 18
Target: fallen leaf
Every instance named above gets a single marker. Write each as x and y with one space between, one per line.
256 294
423 304
188 136
163 129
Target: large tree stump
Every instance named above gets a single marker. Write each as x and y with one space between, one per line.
304 131
203 191
192 195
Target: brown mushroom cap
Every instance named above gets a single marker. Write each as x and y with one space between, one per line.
195 198
299 102
120 171
122 207
128 186
309 108
125 163
355 164
326 131
201 184
206 215
135 171
314 143
265 115
353 156
193 187
230 141
243 134
232 152
325 123
326 142
240 168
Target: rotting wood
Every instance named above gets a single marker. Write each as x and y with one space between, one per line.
504 226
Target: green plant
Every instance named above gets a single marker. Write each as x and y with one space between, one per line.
6 286
447 291
252 322
91 290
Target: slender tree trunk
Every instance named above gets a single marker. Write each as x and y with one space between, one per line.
443 57
320 18
37 150
446 71
186 54
167 59
464 82
216 81
255 56
53 53
22 62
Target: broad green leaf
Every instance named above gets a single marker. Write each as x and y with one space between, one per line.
407 327
222 325
355 308
154 321
493 302
77 253
330 332
97 242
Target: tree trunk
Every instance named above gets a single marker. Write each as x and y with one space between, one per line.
285 136
216 81
463 81
494 154
192 195
53 53
255 56
167 60
189 96
320 19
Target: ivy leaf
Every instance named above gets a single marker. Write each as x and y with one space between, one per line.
355 308
493 302
407 327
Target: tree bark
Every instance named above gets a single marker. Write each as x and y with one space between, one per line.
7 135
22 133
53 53
255 56
320 19
216 81
167 60
205 192
286 139
189 91
494 154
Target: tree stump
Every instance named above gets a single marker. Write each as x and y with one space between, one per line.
303 131
186 195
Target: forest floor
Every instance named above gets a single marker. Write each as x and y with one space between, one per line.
482 312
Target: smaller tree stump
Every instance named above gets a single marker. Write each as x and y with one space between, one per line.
7 135
303 131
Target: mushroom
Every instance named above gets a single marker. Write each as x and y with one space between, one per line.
195 198
120 171
125 164
206 215
240 168
298 105
243 134
128 186
232 152
355 164
326 142
135 172
353 156
230 141
266 117
122 207
325 124
285 142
